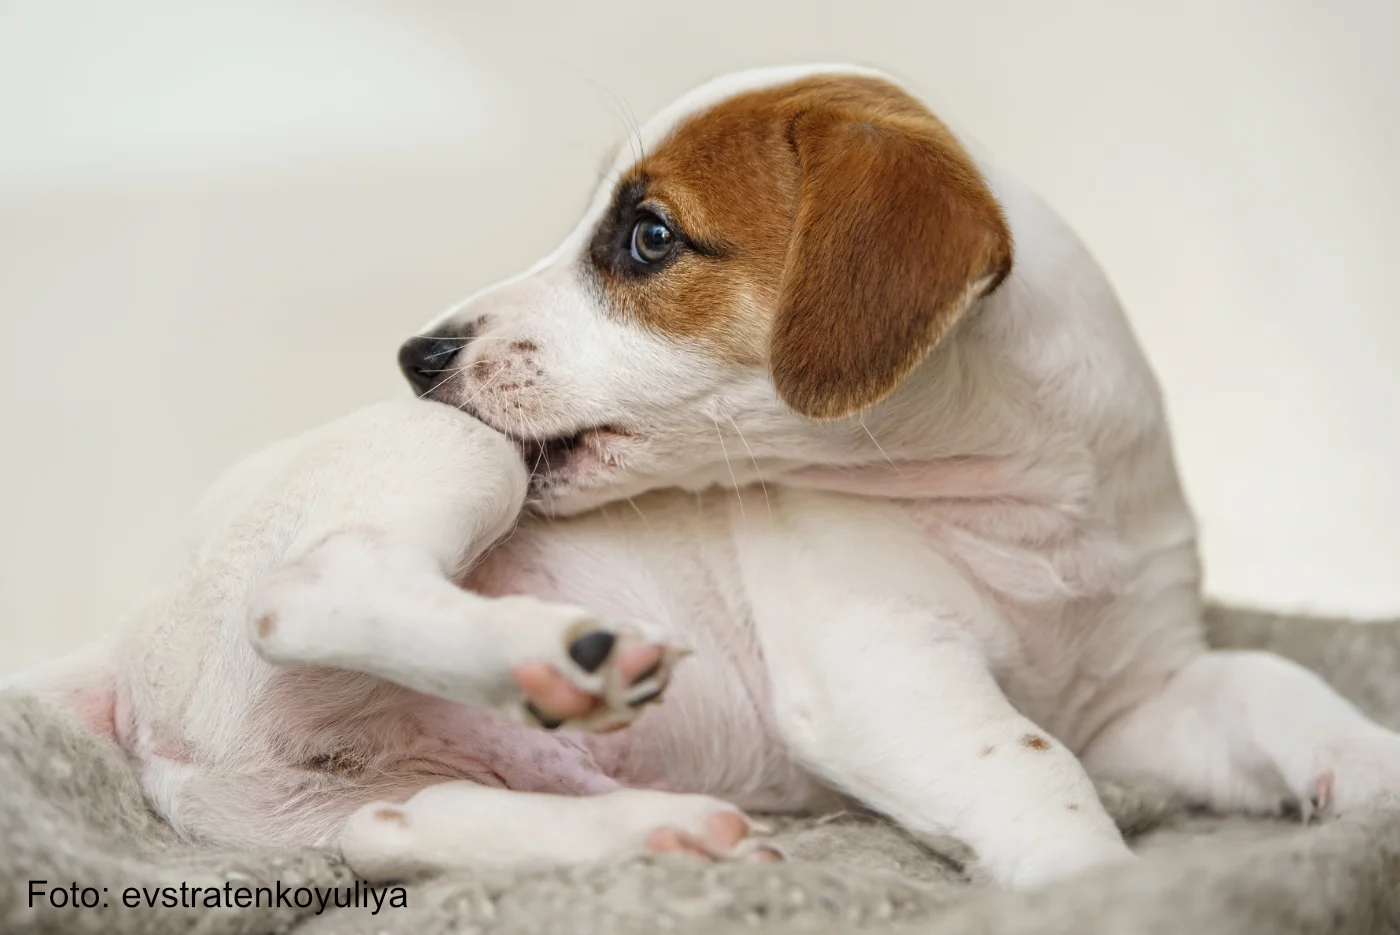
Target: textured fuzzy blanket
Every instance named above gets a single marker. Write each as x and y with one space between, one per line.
71 816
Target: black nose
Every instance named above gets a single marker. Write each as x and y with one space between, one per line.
426 359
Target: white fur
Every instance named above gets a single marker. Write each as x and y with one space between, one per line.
939 607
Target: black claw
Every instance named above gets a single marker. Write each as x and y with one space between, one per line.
644 699
591 650
547 722
655 668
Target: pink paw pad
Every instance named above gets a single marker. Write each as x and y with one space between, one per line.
1316 804
726 835
635 675
1322 792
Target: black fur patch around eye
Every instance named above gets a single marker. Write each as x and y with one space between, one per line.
610 250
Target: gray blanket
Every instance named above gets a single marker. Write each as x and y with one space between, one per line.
71 813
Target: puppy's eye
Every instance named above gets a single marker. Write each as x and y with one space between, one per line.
652 240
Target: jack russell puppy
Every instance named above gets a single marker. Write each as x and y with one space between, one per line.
787 405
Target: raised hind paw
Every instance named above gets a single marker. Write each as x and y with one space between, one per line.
610 675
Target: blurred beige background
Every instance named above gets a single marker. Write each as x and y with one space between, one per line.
218 220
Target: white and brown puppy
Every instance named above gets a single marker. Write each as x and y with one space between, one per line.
790 404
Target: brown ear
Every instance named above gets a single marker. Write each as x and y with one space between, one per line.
895 235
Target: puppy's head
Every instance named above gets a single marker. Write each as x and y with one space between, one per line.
789 248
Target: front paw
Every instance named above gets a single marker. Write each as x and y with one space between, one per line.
605 678
462 825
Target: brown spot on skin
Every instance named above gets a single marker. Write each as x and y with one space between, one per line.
840 230
393 815
524 346
1035 742
266 624
988 751
1072 808
481 370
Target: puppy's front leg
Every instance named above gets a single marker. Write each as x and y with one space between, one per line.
466 825
880 687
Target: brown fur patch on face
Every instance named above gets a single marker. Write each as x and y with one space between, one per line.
839 230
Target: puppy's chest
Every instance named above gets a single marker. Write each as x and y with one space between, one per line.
662 561
1025 553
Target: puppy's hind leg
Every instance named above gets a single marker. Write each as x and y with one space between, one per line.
363 601
1251 731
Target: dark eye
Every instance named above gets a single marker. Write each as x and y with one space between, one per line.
652 240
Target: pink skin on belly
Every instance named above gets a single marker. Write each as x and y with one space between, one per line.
528 759
517 757
329 719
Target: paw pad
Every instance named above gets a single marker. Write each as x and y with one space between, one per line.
614 674
725 835
591 650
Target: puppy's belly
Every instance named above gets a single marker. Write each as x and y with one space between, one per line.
476 744
667 568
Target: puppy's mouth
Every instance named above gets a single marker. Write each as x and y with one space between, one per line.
549 459
543 454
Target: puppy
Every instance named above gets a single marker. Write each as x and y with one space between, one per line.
810 392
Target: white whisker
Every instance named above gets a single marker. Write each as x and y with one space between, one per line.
535 468
761 483
483 387
629 119
525 428
633 503
882 450
720 435
441 383
465 341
